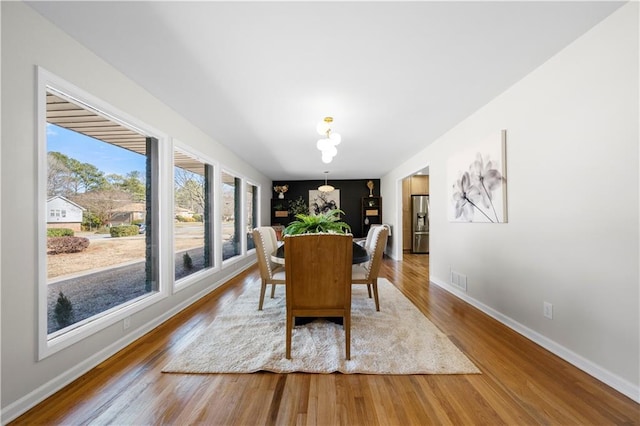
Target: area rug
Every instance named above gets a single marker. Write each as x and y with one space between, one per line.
398 339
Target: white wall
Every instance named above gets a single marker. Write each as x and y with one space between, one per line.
573 194
73 213
29 40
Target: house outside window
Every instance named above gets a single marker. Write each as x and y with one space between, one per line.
110 265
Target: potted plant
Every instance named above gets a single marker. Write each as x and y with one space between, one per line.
324 222
281 189
298 206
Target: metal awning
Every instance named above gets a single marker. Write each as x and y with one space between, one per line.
72 116
82 120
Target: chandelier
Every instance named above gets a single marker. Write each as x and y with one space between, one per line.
327 145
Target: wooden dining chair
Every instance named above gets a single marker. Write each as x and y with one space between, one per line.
264 237
373 230
367 244
318 275
368 273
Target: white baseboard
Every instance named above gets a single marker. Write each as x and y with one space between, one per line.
22 405
605 376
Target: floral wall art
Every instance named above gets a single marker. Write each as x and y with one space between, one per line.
321 202
477 182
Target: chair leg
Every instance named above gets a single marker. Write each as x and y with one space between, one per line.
369 290
273 290
288 334
375 294
263 289
347 335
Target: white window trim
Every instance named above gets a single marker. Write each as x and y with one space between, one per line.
244 180
46 346
243 243
196 277
256 219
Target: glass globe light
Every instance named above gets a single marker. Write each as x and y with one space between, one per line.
335 138
330 150
323 144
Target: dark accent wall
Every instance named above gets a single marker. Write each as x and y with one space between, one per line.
351 193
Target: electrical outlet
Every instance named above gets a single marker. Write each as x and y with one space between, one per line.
126 323
547 310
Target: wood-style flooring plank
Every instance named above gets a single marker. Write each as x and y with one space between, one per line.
521 383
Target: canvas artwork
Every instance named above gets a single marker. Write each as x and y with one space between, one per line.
477 182
321 202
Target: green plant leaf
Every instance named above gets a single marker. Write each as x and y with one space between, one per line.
324 222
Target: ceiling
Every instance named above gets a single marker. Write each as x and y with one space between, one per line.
258 76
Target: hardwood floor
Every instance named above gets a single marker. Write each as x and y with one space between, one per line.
521 383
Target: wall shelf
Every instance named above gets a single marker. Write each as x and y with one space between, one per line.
371 212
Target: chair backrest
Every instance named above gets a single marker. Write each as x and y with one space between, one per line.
318 271
372 231
378 244
367 242
266 243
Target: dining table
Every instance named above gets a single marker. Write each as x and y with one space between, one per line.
360 254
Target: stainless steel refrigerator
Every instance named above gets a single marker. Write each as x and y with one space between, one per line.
420 223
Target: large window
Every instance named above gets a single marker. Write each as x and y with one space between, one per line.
231 217
100 249
192 228
252 213
99 208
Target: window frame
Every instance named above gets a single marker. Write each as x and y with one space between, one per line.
244 180
47 81
191 279
241 226
256 210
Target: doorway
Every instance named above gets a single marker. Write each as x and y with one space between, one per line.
413 187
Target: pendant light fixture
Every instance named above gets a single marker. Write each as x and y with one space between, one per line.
326 187
327 145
